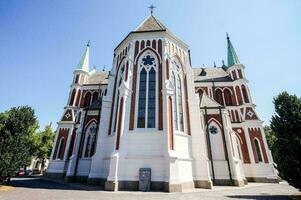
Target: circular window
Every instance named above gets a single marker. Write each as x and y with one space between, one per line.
213 130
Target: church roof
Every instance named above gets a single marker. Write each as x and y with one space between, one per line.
101 77
217 74
150 24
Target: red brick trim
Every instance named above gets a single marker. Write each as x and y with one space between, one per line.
142 45
256 133
126 70
148 43
167 69
187 107
170 124
136 48
238 94
154 44
119 124
244 146
63 133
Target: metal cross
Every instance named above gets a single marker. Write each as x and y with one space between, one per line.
152 7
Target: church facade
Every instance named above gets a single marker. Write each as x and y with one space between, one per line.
192 127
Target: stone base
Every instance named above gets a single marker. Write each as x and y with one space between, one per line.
262 180
69 179
223 182
203 184
96 181
111 186
155 186
238 183
81 179
173 188
55 175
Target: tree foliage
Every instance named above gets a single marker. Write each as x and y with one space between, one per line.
42 144
17 127
286 142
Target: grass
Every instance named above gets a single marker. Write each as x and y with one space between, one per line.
5 188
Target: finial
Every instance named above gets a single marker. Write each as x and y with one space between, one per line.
228 38
94 67
223 62
152 7
214 64
88 44
104 68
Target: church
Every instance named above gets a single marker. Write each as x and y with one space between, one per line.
190 127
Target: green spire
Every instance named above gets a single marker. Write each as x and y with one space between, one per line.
232 57
83 65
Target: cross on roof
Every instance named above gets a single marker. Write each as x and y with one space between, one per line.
152 7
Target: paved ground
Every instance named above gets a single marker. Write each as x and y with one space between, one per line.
37 189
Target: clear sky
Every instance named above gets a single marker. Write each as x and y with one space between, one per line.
41 43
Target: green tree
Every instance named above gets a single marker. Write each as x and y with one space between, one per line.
286 126
43 142
17 127
270 136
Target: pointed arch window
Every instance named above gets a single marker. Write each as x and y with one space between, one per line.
87 99
119 81
228 97
60 153
72 97
90 140
94 97
258 150
219 97
178 98
245 94
147 92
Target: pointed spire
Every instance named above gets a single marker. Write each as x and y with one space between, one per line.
83 65
232 56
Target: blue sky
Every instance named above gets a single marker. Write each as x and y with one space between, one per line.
41 43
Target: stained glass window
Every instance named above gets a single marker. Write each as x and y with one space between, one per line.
147 93
151 114
175 107
142 99
178 116
180 103
90 140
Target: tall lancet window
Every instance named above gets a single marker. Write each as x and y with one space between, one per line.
90 140
147 92
119 81
178 98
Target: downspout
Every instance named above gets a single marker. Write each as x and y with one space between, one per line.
225 145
